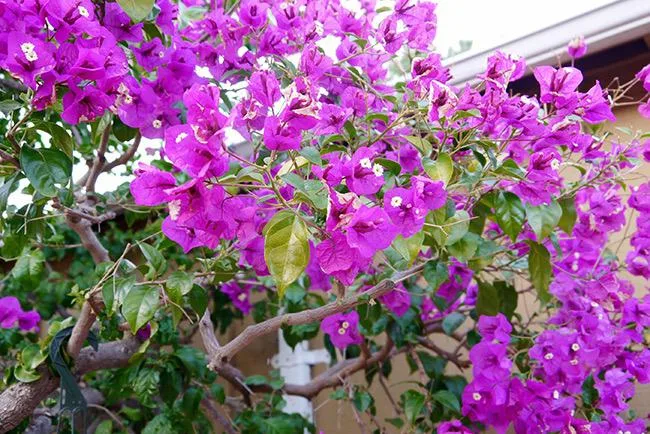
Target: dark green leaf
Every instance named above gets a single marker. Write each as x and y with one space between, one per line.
544 218
569 215
487 302
510 214
140 305
45 169
61 139
539 268
412 402
155 259
447 399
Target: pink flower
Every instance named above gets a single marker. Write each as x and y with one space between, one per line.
577 47
343 329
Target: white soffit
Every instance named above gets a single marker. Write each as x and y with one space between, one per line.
604 27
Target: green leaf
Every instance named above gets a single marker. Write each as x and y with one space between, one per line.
487 302
159 425
510 214
452 322
140 305
45 169
440 170
25 375
9 105
198 298
155 259
191 401
29 267
313 190
136 9
496 297
508 298
114 291
312 155
422 144
447 399
412 402
32 356
539 268
61 139
286 248
7 188
544 218
179 282
105 427
465 248
456 227
391 166
569 215
410 247
435 273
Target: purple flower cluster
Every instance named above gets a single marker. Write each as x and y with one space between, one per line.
11 314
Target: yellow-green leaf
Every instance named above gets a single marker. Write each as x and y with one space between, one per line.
286 248
136 9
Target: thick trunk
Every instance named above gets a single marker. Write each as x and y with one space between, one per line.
19 400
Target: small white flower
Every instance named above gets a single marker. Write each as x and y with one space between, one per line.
345 324
28 50
242 296
128 99
556 394
156 123
365 163
575 347
548 356
378 170
594 304
477 396
555 164
174 209
573 362
181 137
83 11
341 331
395 201
161 54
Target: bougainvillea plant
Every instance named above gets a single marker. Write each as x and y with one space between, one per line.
310 165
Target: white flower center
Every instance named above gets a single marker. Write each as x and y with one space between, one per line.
128 99
573 362
174 209
156 123
378 170
83 11
548 356
345 324
575 347
181 137
556 394
28 50
365 163
555 164
242 296
341 331
396 201
161 54
477 396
